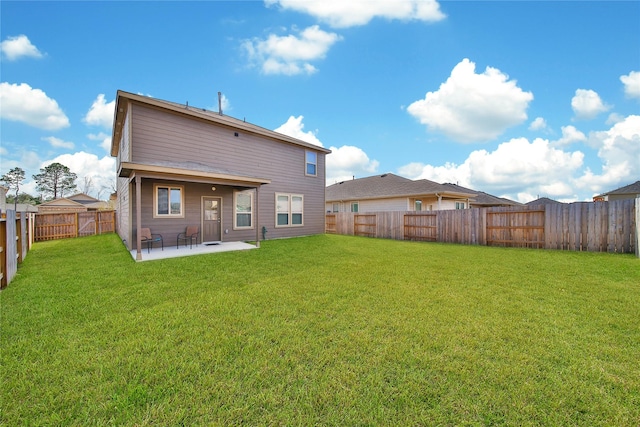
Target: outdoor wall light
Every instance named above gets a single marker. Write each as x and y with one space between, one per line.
213 188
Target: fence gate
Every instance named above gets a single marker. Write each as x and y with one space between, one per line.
365 225
330 223
422 227
516 228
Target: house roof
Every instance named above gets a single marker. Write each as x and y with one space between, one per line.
389 185
62 201
543 201
627 189
484 199
83 198
122 102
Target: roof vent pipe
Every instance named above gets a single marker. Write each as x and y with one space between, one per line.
220 103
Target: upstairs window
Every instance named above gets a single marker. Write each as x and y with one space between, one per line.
243 209
168 201
311 163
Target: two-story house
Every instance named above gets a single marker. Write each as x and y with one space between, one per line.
180 166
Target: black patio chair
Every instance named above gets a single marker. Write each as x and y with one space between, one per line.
189 235
149 238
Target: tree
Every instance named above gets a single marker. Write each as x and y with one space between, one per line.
55 179
13 179
87 185
24 198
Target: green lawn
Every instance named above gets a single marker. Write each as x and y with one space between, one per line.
322 330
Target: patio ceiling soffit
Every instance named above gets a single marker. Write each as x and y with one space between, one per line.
131 170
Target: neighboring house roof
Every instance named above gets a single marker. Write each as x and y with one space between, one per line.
543 201
83 198
77 202
62 202
123 97
24 207
631 190
484 199
389 185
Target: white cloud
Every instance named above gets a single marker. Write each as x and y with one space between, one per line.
524 170
570 135
348 161
587 104
631 84
58 143
225 103
516 169
100 113
294 128
17 47
105 140
539 124
290 55
100 170
21 103
341 14
619 150
472 107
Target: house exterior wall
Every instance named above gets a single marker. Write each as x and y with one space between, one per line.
158 136
401 204
123 204
612 197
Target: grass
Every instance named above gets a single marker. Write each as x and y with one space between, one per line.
321 330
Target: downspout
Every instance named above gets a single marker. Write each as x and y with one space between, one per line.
439 200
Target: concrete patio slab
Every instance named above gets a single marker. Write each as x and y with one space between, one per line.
200 249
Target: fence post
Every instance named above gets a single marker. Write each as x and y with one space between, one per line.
19 242
638 227
3 253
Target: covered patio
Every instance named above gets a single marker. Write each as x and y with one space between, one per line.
171 251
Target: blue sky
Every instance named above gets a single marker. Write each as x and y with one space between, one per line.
517 99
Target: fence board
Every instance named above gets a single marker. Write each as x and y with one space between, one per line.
582 226
11 249
51 226
420 226
365 225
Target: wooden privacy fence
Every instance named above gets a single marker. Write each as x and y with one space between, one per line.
51 226
583 226
16 238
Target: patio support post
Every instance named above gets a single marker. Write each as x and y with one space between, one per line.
138 218
257 222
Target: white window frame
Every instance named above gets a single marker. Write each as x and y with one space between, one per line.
357 207
417 205
307 163
289 206
461 205
170 188
251 194
335 207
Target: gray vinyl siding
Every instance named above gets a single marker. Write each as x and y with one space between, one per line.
159 136
123 212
